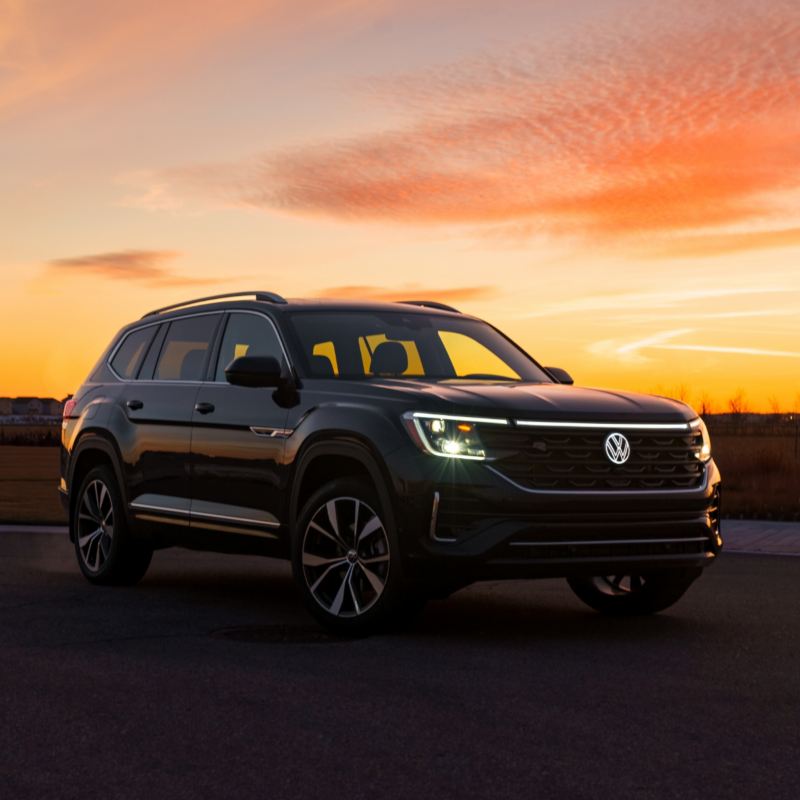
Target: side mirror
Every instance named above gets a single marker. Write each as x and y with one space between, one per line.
561 375
254 371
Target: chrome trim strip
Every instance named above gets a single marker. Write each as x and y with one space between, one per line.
163 519
434 519
604 492
609 541
179 512
637 426
272 433
243 520
219 526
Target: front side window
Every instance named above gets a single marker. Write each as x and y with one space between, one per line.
131 352
413 345
247 335
185 349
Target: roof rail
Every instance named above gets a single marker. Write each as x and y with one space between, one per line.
264 297
429 304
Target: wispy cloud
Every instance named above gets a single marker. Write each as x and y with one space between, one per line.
747 351
683 118
138 266
631 351
409 292
668 298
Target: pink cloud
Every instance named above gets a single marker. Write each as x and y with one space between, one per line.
139 266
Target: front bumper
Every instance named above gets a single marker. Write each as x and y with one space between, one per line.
462 519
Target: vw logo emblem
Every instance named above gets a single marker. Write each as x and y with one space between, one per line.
618 448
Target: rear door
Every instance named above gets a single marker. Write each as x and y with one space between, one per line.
238 438
158 404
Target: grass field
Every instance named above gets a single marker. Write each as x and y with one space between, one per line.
761 479
29 485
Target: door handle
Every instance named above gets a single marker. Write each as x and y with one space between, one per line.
204 408
134 405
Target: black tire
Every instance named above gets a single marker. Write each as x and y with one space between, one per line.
346 561
633 595
106 551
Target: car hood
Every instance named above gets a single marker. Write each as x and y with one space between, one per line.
545 401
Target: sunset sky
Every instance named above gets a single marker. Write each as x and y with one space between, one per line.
614 183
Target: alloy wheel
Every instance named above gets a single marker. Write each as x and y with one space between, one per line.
345 557
95 528
618 585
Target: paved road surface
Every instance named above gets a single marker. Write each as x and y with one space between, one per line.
208 680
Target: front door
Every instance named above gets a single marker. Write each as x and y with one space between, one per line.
237 439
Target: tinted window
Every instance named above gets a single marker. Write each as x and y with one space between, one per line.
247 335
362 344
130 353
183 355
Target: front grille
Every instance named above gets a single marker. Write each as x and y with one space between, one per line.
575 459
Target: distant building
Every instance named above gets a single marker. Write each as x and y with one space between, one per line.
52 407
27 406
30 407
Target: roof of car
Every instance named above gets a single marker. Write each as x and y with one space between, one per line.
267 301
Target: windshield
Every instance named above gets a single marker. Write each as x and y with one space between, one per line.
365 344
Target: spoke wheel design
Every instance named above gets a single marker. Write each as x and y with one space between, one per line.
95 525
345 557
619 585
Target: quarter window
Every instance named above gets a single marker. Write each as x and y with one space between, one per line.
130 353
186 345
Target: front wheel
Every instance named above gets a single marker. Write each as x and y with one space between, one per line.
346 561
633 594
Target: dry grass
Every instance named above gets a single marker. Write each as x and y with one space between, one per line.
760 476
761 479
29 485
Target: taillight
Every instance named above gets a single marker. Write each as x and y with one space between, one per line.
69 407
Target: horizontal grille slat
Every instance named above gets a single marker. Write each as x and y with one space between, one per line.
576 460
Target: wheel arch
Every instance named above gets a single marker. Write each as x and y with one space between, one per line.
326 459
93 449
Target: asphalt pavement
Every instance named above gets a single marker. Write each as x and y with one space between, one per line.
209 680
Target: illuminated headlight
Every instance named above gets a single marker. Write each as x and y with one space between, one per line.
449 437
705 451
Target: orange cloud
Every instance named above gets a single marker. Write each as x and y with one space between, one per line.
408 292
141 266
683 120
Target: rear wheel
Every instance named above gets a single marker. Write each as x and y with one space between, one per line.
346 561
106 551
633 594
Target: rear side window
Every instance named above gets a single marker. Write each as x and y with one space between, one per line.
185 349
247 335
130 353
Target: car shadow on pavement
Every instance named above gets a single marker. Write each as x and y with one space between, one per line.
498 611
